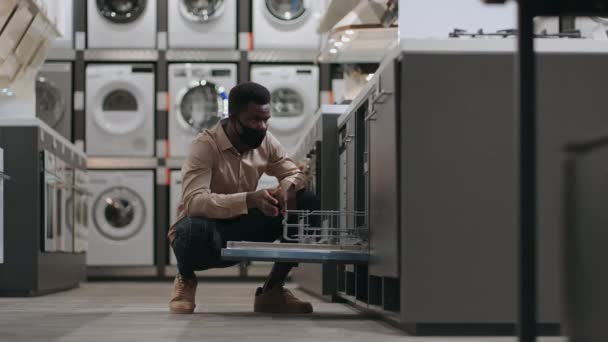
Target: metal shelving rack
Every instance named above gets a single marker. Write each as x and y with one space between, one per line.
161 57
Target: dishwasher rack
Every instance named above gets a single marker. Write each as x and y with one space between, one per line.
311 237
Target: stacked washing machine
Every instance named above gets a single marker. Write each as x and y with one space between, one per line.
286 24
207 24
119 122
121 24
294 93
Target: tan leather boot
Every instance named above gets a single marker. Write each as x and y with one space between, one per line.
182 296
279 300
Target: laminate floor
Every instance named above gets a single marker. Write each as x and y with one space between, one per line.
137 311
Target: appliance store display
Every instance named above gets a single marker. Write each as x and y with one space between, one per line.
294 91
199 99
202 24
120 110
286 24
54 97
122 215
121 24
174 199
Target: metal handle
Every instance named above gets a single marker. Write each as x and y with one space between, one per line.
381 94
4 176
370 116
348 138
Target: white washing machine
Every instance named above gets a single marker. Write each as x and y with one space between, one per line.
63 12
122 215
593 27
121 23
174 198
294 93
286 24
202 24
198 100
120 110
54 97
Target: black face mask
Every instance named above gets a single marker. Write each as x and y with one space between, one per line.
251 137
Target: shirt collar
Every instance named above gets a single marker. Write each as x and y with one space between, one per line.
222 139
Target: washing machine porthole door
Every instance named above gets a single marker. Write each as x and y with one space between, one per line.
49 102
201 10
202 105
121 11
120 100
119 213
286 102
286 10
120 112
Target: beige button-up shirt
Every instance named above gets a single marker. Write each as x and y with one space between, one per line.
216 177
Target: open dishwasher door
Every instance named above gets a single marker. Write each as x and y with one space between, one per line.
310 237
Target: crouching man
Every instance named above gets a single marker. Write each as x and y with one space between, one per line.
219 202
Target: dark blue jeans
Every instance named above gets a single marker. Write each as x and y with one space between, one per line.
198 241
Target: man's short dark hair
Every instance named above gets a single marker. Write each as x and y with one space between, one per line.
245 93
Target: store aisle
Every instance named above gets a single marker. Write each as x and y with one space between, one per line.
111 311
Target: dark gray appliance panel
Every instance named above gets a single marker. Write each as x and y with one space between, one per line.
571 107
382 176
459 189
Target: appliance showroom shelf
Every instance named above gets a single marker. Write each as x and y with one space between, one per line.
61 55
175 162
105 163
121 55
198 55
294 252
358 44
279 56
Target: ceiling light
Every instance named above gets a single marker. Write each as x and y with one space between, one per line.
345 39
338 44
350 32
333 50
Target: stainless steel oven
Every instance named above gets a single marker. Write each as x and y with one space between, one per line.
67 209
50 183
81 211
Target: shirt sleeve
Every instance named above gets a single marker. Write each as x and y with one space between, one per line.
196 180
282 167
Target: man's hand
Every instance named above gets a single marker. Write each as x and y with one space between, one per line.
265 201
286 197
